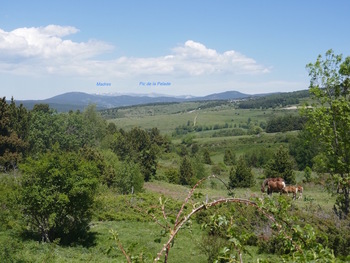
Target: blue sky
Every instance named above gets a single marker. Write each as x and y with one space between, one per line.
197 47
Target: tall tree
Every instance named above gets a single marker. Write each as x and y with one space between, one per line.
242 176
187 175
44 129
329 119
137 146
281 165
206 156
144 152
11 144
96 126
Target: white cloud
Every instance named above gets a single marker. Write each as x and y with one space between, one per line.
42 50
46 43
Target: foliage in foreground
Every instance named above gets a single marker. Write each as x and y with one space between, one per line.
296 243
329 120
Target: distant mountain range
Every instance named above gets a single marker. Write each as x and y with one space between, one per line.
79 100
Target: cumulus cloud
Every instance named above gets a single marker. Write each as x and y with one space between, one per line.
46 43
40 50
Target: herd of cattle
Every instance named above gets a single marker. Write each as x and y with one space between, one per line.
278 185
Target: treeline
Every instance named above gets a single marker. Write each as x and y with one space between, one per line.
274 101
285 123
26 133
32 134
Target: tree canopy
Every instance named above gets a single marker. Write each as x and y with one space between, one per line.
329 119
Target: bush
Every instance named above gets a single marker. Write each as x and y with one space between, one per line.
172 175
242 176
307 174
57 195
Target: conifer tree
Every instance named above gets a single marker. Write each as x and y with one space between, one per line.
242 175
281 165
206 156
11 145
187 176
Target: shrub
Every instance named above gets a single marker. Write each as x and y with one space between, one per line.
172 175
57 195
242 176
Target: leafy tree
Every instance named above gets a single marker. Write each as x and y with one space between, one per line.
44 129
242 176
329 119
198 167
187 175
57 194
304 149
73 131
95 125
281 165
128 178
120 145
